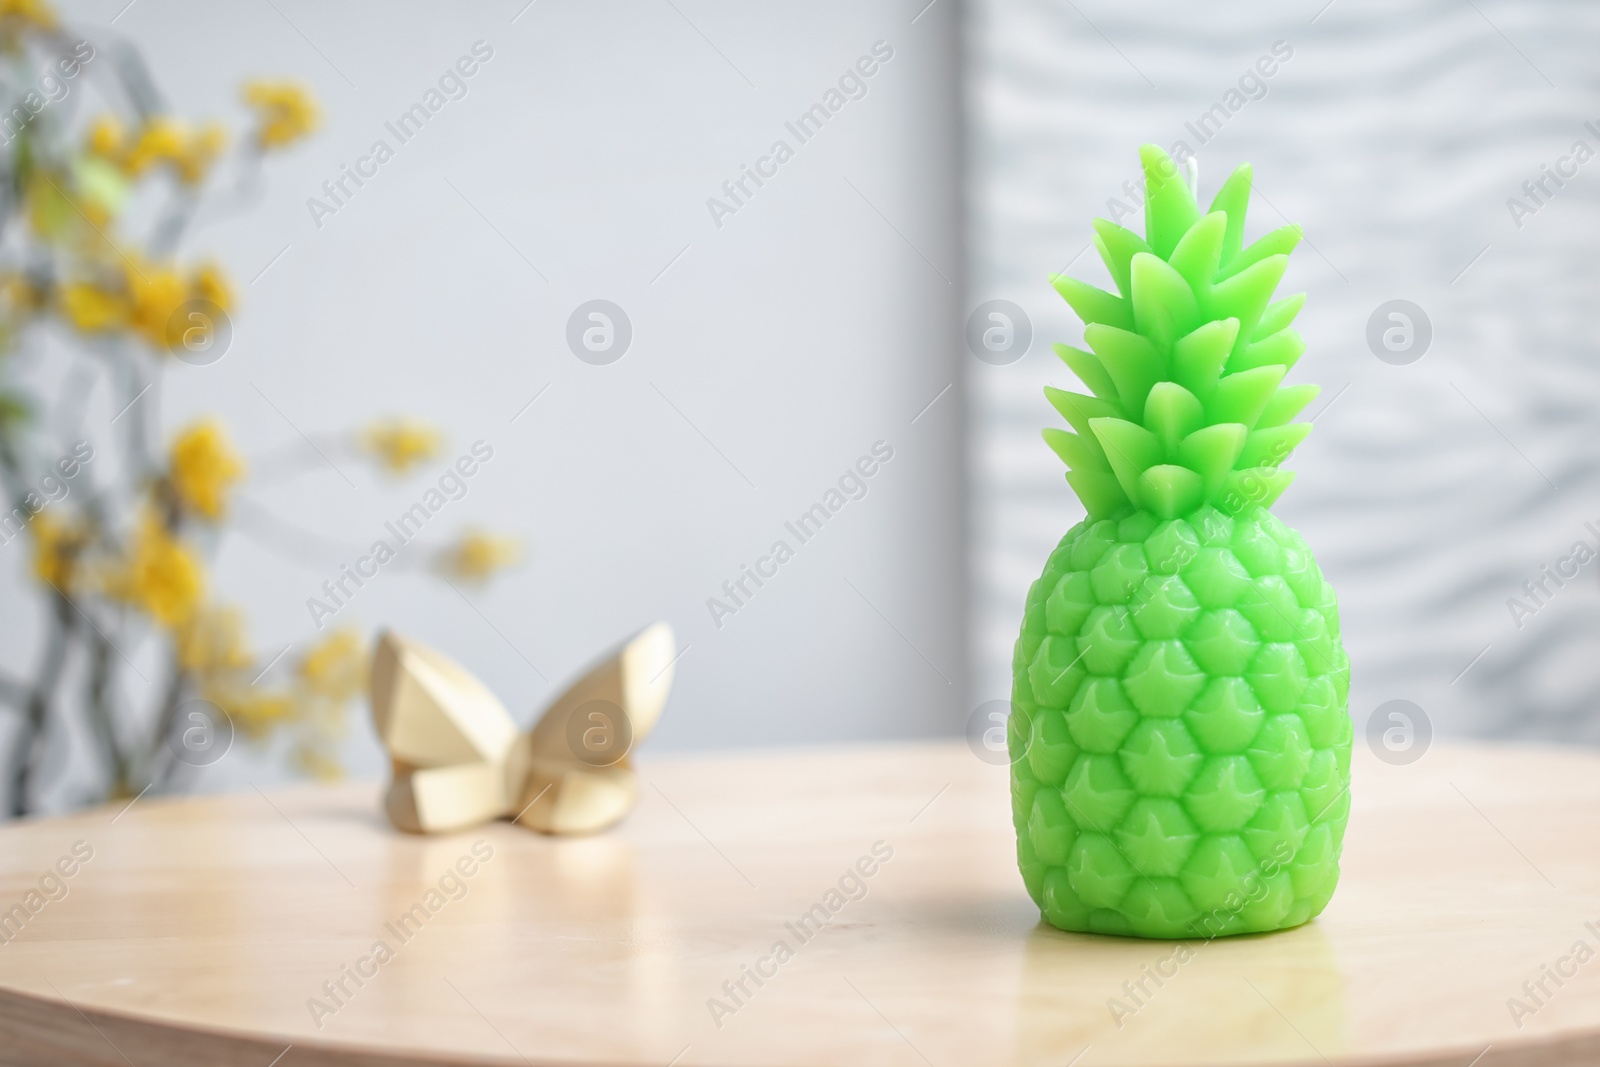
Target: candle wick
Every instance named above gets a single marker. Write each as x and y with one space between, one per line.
1191 175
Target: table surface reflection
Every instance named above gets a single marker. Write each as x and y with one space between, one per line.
239 928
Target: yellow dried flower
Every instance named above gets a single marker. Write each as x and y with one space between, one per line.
212 641
203 467
475 556
255 713
209 283
93 309
202 150
190 151
147 300
20 294
107 138
57 544
336 668
158 292
286 110
16 15
318 761
162 576
158 139
57 215
400 444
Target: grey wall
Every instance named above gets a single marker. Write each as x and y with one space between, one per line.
768 353
1394 134
821 318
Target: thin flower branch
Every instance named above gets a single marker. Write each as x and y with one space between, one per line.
121 548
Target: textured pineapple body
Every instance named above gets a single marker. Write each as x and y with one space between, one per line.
1179 737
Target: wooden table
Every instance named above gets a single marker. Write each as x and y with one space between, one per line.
200 929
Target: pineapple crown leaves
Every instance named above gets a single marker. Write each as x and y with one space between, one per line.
1186 361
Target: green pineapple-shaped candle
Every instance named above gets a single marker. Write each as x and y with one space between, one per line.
1179 737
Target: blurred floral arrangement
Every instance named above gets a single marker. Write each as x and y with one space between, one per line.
93 209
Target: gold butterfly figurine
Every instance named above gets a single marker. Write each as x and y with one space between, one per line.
458 759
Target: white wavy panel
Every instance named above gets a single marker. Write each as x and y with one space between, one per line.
1395 134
